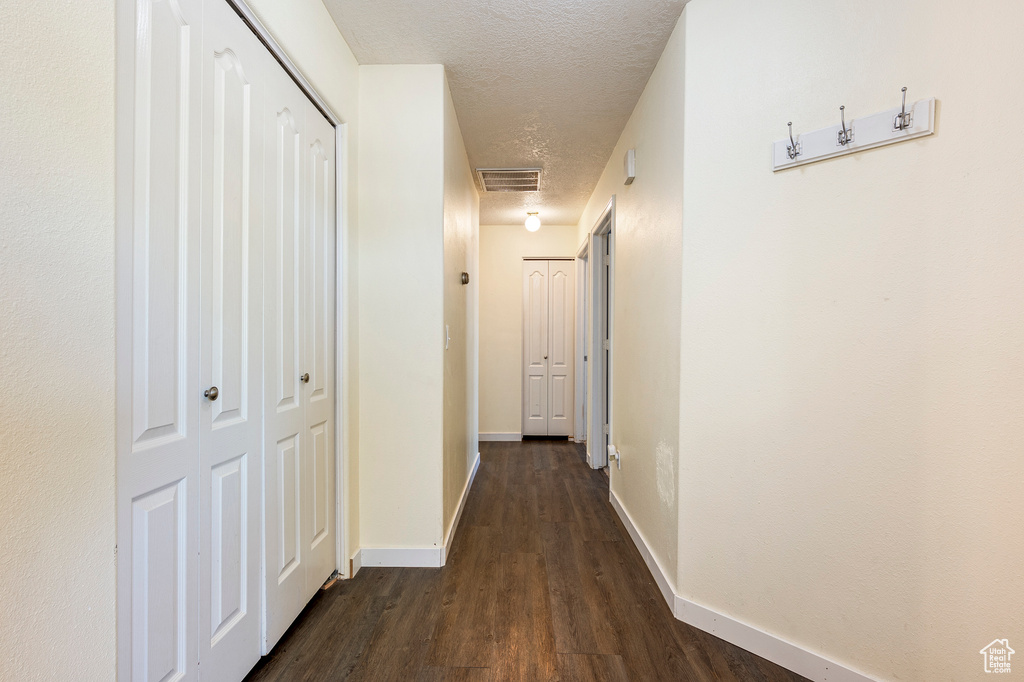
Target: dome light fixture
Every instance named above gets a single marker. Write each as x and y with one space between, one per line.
532 221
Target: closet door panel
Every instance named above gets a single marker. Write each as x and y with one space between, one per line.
227 288
158 475
284 255
319 257
285 320
160 609
320 325
561 348
535 348
231 346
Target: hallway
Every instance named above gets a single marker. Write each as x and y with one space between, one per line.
543 583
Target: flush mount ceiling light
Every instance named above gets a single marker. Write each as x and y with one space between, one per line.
532 222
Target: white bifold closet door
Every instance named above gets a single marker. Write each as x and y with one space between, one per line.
235 64
299 387
159 394
226 297
548 347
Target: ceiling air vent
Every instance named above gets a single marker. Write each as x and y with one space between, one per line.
509 179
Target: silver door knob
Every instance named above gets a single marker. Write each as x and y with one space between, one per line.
211 393
305 378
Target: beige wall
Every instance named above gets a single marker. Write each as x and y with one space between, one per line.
401 305
502 249
647 294
57 341
461 228
852 333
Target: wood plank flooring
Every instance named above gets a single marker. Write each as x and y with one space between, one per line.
543 583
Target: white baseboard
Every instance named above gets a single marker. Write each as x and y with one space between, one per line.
401 557
501 436
790 656
447 550
775 649
415 557
664 584
355 563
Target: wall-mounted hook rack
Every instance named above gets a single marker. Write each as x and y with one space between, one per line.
868 132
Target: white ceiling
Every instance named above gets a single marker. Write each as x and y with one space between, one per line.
536 83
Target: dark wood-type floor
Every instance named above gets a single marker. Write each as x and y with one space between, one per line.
543 583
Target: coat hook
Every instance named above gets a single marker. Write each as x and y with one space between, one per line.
845 134
792 149
903 120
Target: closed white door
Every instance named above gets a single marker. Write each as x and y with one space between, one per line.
299 366
234 64
318 390
205 147
158 391
284 340
535 348
561 347
548 347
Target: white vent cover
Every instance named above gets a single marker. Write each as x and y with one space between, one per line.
509 179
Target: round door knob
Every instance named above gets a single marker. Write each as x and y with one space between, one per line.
305 378
211 393
545 357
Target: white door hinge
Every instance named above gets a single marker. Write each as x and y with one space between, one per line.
607 260
607 344
607 429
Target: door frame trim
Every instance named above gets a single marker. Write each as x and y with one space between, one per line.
604 229
256 26
582 264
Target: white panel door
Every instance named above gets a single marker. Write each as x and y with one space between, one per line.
548 347
234 66
535 348
300 194
159 396
284 570
230 181
561 347
318 369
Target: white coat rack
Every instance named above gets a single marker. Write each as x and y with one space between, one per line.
877 130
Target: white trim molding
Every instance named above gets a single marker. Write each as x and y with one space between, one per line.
447 550
401 557
668 591
355 563
501 436
791 656
777 650
600 301
266 37
416 557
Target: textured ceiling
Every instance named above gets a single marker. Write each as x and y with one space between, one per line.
536 83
